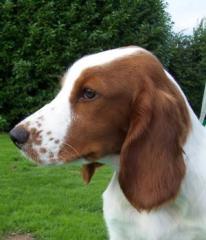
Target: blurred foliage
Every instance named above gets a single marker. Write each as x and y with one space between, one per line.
3 123
40 39
188 64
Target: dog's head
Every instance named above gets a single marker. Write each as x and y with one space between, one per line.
115 102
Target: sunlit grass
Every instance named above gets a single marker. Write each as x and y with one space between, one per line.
49 202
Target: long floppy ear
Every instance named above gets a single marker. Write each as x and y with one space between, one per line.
88 171
151 162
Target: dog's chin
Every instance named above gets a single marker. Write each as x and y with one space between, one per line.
79 161
38 161
27 157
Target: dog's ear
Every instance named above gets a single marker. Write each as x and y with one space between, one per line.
151 162
88 171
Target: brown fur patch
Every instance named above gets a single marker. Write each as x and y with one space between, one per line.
35 136
33 154
42 150
152 165
88 171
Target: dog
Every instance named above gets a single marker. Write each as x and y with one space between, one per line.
122 108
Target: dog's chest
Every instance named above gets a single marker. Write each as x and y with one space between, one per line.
125 222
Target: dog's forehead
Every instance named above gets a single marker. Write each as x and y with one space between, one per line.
94 60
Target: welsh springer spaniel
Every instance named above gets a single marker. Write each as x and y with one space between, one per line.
121 108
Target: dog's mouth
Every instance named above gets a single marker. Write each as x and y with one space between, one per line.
43 155
45 148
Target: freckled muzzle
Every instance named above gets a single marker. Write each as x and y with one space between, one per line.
41 135
37 139
27 139
39 145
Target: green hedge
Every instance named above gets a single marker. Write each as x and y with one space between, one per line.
40 39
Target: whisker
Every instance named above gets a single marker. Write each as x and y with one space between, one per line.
73 148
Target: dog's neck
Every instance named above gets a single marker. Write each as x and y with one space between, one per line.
111 160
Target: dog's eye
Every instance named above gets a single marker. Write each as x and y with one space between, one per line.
88 94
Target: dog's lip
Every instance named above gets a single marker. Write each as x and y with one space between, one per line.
18 145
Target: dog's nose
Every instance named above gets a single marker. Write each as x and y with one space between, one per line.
19 136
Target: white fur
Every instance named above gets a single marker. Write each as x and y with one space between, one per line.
183 219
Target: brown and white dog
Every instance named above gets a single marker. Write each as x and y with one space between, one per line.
120 107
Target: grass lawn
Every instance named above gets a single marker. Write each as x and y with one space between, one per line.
49 202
